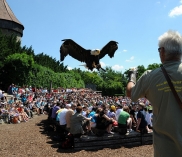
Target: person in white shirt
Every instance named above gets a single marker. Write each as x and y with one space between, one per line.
62 116
118 111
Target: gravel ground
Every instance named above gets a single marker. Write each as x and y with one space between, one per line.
28 139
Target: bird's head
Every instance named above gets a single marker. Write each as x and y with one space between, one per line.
95 52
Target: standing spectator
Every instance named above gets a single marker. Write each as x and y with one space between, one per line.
167 114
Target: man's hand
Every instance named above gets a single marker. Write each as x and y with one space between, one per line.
132 74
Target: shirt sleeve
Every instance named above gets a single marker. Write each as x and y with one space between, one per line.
139 115
138 90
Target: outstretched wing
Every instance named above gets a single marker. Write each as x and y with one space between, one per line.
73 49
109 49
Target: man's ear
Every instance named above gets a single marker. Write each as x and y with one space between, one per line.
162 55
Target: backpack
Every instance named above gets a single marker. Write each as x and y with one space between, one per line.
68 143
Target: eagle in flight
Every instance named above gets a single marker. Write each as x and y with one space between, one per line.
90 57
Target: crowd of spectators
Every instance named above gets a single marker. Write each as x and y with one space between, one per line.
77 111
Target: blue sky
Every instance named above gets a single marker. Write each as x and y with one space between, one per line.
135 25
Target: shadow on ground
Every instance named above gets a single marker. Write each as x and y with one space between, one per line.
55 138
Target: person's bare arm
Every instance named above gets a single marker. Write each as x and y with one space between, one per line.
132 74
128 88
107 118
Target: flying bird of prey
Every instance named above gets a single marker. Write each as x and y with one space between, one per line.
90 57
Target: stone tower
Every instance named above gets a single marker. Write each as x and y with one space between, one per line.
9 24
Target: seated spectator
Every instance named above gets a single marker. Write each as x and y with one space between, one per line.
118 111
69 113
4 114
62 119
78 123
85 111
42 104
24 99
55 108
133 112
59 112
93 116
37 106
150 118
142 125
111 113
22 113
124 120
28 110
11 100
103 121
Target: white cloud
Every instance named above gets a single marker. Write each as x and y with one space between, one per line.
117 67
103 64
131 59
158 2
125 50
69 68
176 11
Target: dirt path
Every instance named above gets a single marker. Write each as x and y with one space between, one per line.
28 140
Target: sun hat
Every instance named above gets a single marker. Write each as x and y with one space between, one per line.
141 104
113 108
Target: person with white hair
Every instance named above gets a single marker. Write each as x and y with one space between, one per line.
167 115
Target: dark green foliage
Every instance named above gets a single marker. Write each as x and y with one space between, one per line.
153 66
49 62
16 69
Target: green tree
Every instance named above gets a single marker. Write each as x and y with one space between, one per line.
153 66
16 69
49 62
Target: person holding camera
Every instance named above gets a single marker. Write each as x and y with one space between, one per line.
167 115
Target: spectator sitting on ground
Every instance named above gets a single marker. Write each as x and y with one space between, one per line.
24 99
28 110
11 100
38 106
24 116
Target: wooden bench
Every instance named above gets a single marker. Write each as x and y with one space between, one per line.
112 141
